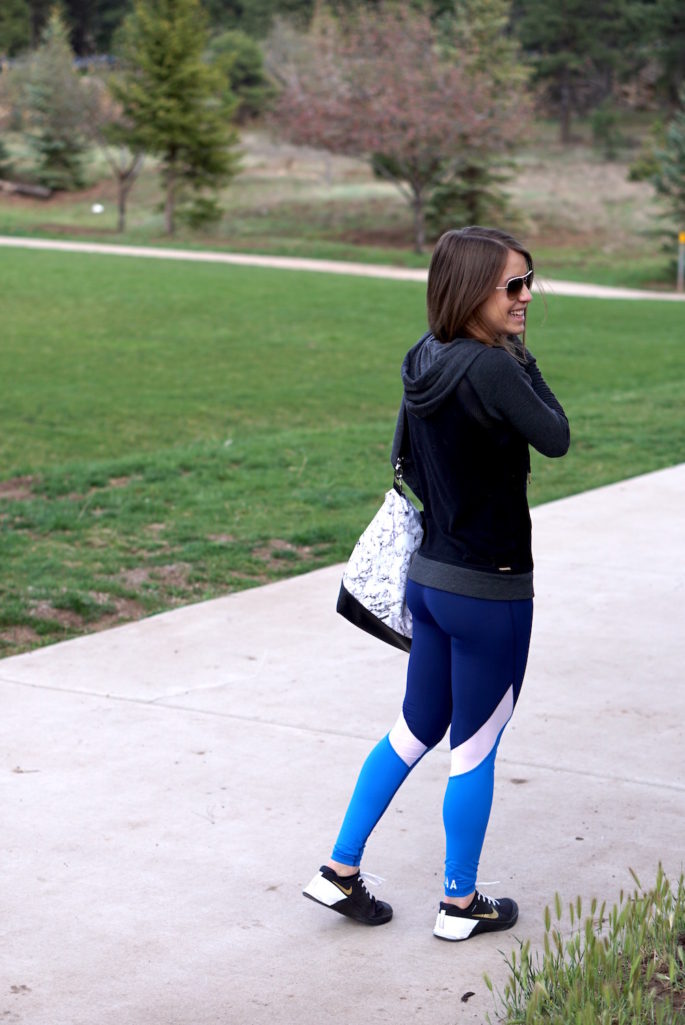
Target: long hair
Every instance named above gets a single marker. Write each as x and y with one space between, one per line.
464 270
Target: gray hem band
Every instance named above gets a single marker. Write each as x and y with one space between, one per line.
469 582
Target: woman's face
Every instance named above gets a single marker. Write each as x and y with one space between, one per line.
501 314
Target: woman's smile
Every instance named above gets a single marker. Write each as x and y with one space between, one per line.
504 315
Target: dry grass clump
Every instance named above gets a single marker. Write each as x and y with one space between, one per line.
626 967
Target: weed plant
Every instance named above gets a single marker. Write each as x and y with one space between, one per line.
622 967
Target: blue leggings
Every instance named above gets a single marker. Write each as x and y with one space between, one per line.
466 667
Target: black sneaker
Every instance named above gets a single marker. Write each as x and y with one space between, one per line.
484 914
348 896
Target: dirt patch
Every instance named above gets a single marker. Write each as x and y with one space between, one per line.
175 574
16 489
127 611
277 552
662 989
19 636
17 639
222 539
123 609
65 617
134 577
112 608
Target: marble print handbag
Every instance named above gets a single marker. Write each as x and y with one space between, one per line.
373 589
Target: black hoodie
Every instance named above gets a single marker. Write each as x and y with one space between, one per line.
468 413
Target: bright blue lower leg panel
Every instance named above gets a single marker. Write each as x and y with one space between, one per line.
381 775
465 812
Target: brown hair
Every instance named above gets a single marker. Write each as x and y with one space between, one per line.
465 268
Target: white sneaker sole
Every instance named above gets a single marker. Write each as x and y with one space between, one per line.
449 927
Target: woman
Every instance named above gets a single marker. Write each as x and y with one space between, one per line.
474 399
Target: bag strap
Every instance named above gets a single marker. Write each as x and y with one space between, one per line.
398 479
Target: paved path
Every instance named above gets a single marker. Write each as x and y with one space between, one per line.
170 785
368 270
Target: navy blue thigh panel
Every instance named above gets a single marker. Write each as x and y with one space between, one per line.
466 653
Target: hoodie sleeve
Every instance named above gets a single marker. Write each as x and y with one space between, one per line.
519 395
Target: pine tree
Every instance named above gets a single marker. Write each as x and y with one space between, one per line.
670 179
93 23
240 60
15 27
40 12
174 102
667 24
472 192
579 47
56 106
256 17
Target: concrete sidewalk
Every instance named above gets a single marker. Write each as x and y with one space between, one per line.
170 785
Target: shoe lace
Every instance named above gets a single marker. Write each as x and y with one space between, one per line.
369 877
486 898
374 880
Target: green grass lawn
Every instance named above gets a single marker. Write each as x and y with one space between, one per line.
176 431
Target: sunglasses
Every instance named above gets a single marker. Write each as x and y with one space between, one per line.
514 286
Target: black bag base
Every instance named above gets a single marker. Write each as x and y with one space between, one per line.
353 610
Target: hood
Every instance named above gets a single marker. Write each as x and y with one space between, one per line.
431 370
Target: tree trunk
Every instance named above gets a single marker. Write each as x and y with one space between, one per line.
121 203
124 184
170 203
565 103
419 219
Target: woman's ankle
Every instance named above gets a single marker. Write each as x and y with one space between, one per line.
344 871
461 902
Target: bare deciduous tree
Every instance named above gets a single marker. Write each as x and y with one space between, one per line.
388 86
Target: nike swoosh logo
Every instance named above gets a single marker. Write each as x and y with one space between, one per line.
348 893
492 914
